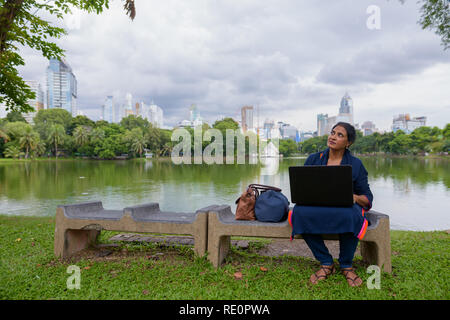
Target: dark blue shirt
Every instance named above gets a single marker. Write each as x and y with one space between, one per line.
359 172
333 220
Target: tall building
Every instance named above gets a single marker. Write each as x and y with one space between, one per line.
288 132
196 119
322 121
407 124
37 103
128 106
368 128
61 86
153 113
326 123
137 108
247 118
345 110
108 110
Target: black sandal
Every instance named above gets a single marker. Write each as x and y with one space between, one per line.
352 278
323 273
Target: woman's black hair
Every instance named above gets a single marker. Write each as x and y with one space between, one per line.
351 132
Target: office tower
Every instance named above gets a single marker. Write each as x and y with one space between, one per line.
108 109
137 109
345 110
407 124
326 123
195 118
156 115
288 132
368 128
61 86
153 113
37 103
247 118
322 121
128 106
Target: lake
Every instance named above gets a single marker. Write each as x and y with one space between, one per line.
414 192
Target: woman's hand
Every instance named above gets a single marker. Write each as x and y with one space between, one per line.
361 200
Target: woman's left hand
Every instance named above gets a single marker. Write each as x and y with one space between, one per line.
361 200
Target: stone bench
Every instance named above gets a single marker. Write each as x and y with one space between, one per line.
375 246
79 225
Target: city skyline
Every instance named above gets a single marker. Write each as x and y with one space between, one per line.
223 56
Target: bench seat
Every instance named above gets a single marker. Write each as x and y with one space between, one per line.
375 246
79 225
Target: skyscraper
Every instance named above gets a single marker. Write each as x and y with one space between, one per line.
128 107
108 109
346 110
322 121
325 123
37 103
247 118
61 86
153 113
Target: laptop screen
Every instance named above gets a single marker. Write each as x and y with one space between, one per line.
321 185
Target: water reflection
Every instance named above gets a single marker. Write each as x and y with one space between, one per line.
412 191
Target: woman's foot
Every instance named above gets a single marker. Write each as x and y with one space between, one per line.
323 273
352 278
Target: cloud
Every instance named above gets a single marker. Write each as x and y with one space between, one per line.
293 59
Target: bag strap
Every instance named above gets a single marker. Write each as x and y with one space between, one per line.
263 187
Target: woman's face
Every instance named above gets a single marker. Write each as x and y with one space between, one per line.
338 139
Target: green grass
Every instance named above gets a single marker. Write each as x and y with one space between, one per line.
29 270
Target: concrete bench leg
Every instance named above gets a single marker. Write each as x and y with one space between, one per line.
68 242
218 249
377 248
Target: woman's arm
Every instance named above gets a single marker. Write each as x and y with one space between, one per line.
362 194
361 200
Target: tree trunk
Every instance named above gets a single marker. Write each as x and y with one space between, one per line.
11 9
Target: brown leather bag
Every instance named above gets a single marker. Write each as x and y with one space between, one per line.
246 202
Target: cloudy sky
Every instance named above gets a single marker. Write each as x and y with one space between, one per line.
293 59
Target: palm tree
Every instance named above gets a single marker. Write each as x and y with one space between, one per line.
28 140
40 147
81 136
4 136
97 135
56 136
12 152
138 144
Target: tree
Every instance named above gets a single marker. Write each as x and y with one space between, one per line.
29 140
138 144
44 119
56 136
13 151
80 121
97 135
436 16
132 122
81 135
15 116
288 147
20 24
4 135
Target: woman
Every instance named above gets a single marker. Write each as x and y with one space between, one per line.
349 223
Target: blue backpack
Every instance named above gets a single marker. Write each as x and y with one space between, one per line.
271 206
